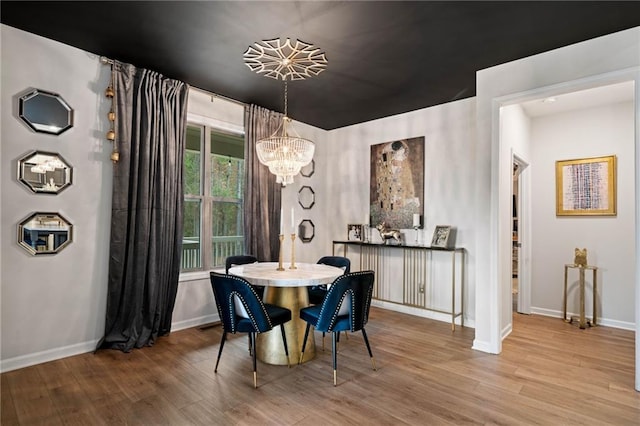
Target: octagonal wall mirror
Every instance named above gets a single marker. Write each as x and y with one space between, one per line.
306 231
309 169
44 172
45 112
44 233
306 197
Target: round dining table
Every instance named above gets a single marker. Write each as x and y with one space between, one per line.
286 288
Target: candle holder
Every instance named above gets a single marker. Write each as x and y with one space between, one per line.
416 224
280 268
293 251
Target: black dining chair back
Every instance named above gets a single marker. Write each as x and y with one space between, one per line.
318 292
243 259
242 311
337 261
345 308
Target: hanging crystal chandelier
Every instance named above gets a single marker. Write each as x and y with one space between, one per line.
285 152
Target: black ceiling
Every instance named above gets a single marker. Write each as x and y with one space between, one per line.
384 58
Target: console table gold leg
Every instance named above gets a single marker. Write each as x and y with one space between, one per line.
564 299
595 297
453 291
582 317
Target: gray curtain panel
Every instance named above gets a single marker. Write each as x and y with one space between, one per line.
146 216
262 193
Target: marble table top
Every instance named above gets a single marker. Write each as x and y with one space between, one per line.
306 274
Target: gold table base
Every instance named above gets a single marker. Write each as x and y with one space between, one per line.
269 344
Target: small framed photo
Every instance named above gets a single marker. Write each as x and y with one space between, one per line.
354 232
443 237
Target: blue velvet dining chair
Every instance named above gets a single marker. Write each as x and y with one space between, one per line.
242 311
317 293
345 308
244 259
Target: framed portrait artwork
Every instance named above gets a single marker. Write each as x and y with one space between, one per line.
586 187
396 185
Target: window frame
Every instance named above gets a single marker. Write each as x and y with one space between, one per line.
207 126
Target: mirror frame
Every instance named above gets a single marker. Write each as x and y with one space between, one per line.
49 185
40 127
33 247
309 169
306 188
302 224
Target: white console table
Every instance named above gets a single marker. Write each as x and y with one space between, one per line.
414 274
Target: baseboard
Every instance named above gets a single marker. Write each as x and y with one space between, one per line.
438 316
84 347
46 356
506 331
194 322
623 325
483 346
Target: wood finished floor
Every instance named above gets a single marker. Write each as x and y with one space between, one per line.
550 373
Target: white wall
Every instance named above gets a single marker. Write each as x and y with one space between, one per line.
320 245
54 305
449 176
610 241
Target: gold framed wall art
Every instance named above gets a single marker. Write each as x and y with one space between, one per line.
396 186
586 187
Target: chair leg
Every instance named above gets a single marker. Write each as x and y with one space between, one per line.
334 351
249 344
255 370
304 342
284 341
224 337
366 341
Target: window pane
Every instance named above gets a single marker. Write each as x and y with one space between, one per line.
226 224
192 161
227 177
191 253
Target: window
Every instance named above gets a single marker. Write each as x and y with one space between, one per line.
213 197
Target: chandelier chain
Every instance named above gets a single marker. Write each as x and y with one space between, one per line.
285 98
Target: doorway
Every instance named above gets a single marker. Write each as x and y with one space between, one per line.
604 98
520 273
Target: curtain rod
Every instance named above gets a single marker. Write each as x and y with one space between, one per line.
107 61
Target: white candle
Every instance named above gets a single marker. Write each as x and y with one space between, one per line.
293 225
281 221
416 220
366 219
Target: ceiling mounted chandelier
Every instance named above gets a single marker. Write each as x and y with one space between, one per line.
285 152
